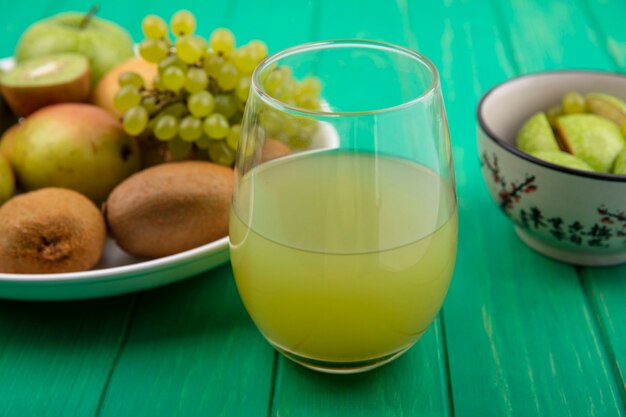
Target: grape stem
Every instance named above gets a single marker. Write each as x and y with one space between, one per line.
88 16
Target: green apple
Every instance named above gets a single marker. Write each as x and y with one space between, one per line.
7 180
536 135
594 139
619 167
103 42
607 106
72 145
563 159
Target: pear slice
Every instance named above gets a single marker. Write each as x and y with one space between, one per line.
607 106
594 139
536 135
619 167
563 159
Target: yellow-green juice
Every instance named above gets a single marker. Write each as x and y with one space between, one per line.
343 257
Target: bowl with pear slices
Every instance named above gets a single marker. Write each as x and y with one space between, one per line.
552 151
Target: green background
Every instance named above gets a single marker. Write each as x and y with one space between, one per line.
519 335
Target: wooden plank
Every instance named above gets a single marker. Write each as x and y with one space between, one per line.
55 357
606 287
521 339
192 351
415 384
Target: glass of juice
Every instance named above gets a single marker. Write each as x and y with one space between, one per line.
343 227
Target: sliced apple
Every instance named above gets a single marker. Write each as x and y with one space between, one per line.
607 106
619 167
563 159
39 82
594 139
536 135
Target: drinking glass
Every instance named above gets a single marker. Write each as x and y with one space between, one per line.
343 227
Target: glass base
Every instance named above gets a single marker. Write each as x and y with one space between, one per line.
340 367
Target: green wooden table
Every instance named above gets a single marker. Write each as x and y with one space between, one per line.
519 334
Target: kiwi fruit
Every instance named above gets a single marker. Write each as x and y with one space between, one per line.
170 208
273 149
39 82
52 230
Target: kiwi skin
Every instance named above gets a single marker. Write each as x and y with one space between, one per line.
170 208
52 230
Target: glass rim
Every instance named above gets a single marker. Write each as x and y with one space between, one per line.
341 43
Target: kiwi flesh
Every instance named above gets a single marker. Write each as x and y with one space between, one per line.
39 82
170 208
52 230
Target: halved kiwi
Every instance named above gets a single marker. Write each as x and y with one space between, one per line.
39 82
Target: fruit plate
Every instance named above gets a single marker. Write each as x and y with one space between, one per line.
118 272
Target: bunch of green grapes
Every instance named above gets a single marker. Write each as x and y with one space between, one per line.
197 100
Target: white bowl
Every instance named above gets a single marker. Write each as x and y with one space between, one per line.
573 216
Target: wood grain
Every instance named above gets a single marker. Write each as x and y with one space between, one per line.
521 341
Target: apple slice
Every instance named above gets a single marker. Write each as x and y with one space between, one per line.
39 82
563 159
619 167
536 135
607 106
594 139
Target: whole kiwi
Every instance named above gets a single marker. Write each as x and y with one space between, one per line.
170 208
51 230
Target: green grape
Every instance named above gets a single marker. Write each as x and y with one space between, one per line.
203 142
153 50
623 129
308 86
228 76
274 80
130 78
574 102
157 84
222 41
201 104
310 102
171 61
178 148
212 64
150 103
216 126
190 128
221 153
189 48
226 104
243 88
196 81
244 60
232 138
177 110
126 97
173 78
183 23
135 120
154 27
165 127
258 49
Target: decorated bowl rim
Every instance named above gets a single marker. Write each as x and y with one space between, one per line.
515 151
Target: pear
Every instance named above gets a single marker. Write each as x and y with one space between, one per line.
594 139
607 106
7 180
563 159
536 135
